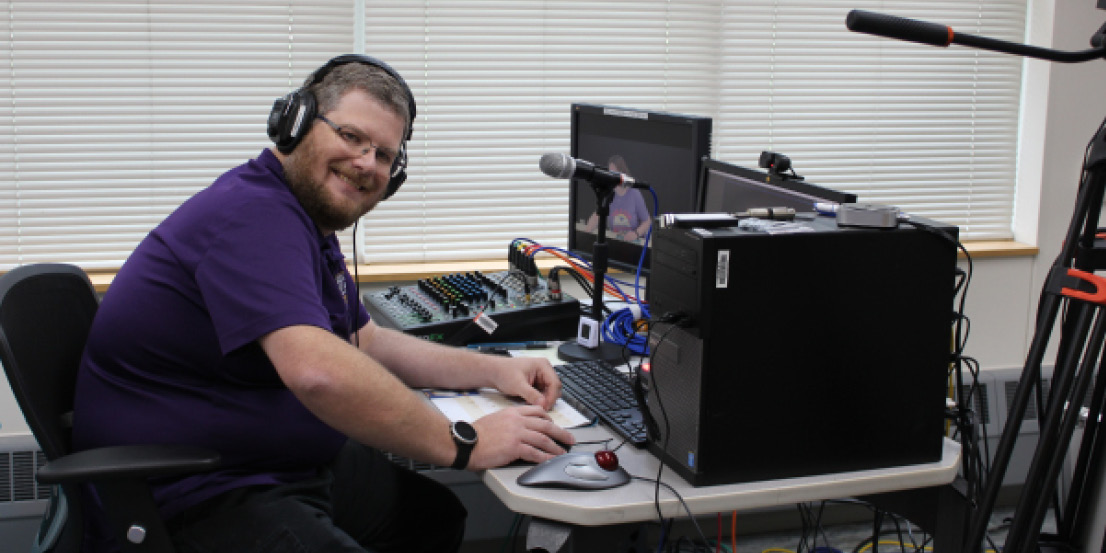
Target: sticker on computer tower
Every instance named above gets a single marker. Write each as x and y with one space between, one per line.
722 270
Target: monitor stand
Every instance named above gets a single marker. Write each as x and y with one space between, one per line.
575 351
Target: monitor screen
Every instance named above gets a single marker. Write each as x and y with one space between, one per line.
664 150
726 188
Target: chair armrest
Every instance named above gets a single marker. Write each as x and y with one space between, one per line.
128 461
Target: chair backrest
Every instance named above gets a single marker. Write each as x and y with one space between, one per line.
46 312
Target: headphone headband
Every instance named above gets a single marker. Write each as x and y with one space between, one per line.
320 73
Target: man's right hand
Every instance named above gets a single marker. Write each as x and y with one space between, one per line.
522 432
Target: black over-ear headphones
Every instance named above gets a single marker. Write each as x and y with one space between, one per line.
293 114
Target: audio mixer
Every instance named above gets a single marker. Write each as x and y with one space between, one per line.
445 308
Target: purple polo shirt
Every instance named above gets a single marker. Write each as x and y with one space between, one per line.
173 354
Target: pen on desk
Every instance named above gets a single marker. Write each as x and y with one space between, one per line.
536 344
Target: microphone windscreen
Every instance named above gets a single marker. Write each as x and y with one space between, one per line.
558 166
898 27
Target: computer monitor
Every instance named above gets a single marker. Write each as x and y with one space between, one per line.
664 150
728 188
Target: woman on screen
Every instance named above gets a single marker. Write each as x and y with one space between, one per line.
629 219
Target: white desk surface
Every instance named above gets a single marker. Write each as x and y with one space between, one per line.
634 502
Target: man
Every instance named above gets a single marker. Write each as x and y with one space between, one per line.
235 325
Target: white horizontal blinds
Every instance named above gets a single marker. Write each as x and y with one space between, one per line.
112 113
932 130
493 82
9 198
116 112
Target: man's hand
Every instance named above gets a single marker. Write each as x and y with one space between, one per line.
525 432
530 378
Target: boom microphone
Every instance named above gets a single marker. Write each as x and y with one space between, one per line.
561 166
935 34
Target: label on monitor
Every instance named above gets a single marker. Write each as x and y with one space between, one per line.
722 270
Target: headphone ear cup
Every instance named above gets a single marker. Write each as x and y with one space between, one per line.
399 172
290 119
394 183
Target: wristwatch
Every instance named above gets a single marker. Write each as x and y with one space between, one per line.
464 435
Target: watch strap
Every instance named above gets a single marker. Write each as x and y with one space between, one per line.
464 448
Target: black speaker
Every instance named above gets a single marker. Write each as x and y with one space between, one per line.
799 354
293 114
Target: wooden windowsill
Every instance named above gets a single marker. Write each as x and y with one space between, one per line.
399 272
999 248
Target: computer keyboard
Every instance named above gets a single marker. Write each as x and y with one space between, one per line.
597 388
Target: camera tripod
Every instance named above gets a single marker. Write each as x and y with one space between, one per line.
1072 295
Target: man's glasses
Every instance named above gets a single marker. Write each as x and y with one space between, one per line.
361 144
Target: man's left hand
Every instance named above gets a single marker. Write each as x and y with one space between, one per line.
530 378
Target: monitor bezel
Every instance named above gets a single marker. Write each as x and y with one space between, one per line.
763 177
620 253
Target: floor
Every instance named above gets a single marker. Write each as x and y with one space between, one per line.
758 533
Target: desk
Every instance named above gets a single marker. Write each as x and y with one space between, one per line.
634 501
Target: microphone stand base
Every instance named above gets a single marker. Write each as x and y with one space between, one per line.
573 351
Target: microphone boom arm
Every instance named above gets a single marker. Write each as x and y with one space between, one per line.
912 30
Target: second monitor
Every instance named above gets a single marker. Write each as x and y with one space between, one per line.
728 188
662 149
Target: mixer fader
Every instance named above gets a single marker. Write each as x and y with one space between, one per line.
442 308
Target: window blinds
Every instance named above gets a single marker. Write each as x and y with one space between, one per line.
112 113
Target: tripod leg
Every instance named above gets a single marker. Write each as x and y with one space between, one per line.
1056 431
977 529
1076 507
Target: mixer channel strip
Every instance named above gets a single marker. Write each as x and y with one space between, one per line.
597 388
442 308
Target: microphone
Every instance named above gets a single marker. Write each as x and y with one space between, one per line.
561 166
935 34
899 27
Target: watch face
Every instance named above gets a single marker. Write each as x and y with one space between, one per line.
464 432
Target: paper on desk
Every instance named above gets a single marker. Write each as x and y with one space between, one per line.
473 404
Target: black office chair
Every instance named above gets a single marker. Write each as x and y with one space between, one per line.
46 312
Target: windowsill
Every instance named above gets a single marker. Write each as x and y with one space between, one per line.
400 272
999 248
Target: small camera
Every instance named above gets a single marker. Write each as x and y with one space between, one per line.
775 163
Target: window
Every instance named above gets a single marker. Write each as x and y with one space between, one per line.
113 113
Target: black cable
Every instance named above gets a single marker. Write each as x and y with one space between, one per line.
508 540
356 290
667 427
973 461
679 498
664 414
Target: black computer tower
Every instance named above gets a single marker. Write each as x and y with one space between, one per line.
799 354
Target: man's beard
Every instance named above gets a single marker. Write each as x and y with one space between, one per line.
313 195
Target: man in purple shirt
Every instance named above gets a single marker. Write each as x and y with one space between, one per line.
235 325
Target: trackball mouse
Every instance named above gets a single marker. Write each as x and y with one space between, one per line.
582 471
